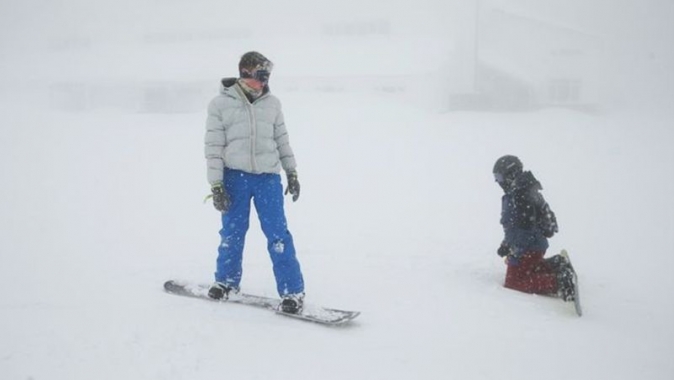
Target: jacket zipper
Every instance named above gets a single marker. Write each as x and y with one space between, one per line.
252 122
253 132
253 136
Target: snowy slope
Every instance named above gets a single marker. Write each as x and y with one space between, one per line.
398 218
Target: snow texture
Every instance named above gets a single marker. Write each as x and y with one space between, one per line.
398 218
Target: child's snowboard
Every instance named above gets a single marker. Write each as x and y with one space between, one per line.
576 298
310 313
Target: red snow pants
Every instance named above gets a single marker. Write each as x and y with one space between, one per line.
531 275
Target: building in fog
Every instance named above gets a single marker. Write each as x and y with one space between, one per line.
524 61
459 55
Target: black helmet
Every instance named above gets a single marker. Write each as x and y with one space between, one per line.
506 169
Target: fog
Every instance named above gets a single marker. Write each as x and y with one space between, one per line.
482 54
397 111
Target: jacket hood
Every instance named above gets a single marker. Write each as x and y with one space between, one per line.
226 85
228 82
526 181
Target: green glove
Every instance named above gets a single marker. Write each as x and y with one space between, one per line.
221 200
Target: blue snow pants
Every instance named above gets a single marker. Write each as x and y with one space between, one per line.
266 191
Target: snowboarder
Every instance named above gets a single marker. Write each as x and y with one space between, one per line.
528 222
246 146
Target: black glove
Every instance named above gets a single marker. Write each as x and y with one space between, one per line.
293 185
221 200
503 250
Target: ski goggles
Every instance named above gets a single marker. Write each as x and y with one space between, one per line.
260 73
499 177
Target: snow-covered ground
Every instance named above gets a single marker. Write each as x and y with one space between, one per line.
398 218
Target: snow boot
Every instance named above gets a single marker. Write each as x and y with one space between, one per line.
566 283
292 303
557 262
220 291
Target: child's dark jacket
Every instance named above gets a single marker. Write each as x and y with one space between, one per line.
526 217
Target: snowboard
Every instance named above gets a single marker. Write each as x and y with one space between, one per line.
310 313
576 298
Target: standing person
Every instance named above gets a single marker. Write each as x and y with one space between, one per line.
246 146
528 222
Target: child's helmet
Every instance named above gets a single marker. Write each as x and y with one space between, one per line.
506 169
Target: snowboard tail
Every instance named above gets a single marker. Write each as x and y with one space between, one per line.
576 297
311 313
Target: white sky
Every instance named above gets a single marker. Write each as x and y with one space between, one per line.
638 35
40 20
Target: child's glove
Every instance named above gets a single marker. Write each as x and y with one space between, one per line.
221 200
503 250
293 185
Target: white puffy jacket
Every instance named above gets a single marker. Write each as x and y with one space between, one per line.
246 136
